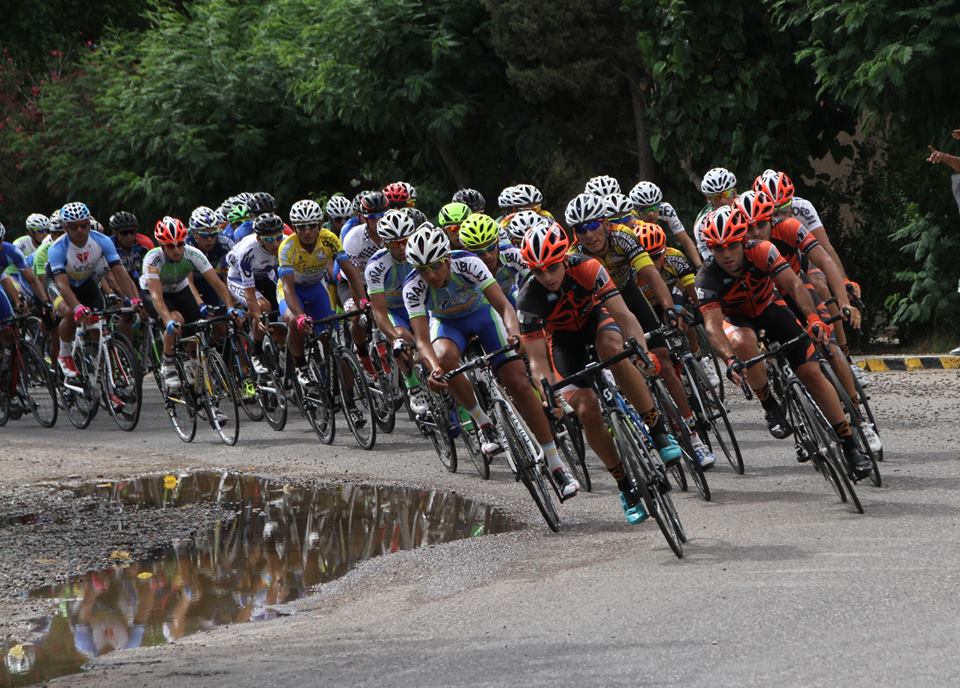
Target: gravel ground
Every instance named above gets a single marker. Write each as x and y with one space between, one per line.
780 583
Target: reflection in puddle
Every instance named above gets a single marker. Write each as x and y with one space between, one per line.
276 543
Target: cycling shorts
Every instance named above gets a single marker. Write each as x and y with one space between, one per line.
181 301
315 300
6 308
264 287
485 323
88 293
780 325
399 318
569 349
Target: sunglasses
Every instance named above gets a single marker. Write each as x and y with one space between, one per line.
177 245
126 232
312 227
482 250
373 216
591 226
399 243
723 195
549 270
436 265
207 235
647 209
83 224
655 256
451 228
272 239
623 220
786 206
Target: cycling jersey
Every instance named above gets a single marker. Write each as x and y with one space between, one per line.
172 276
624 256
241 231
510 271
132 259
459 297
313 266
698 226
386 276
79 263
25 244
793 242
805 211
11 256
360 247
347 226
668 215
676 272
217 255
41 256
248 262
749 293
585 286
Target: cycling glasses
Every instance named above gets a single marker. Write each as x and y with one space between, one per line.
308 227
647 209
624 220
549 270
204 235
436 265
722 196
272 239
373 216
481 250
591 226
128 232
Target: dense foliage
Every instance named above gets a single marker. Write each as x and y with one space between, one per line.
161 105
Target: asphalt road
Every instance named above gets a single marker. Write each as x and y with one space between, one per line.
781 583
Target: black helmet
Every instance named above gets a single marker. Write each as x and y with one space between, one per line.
122 220
262 202
417 215
373 202
472 198
268 223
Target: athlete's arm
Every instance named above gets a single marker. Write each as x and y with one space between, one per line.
836 281
689 249
355 279
379 303
290 295
507 313
213 279
421 333
653 279
626 320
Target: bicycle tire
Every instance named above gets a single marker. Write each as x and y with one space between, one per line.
570 443
271 394
80 407
124 382
474 444
38 384
708 408
853 413
358 397
383 393
864 399
218 391
4 402
436 429
181 407
630 447
316 404
706 349
680 430
528 467
237 348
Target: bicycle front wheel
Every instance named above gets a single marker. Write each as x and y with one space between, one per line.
856 420
569 439
712 421
355 396
530 469
679 429
220 399
271 393
80 401
122 384
316 404
244 377
38 385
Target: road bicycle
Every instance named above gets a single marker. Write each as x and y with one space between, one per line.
26 383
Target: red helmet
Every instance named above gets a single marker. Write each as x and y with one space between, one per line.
651 237
397 194
756 206
726 225
776 185
544 245
170 230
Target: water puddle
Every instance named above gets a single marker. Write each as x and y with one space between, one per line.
274 543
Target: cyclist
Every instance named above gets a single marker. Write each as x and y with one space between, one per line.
464 300
11 256
361 243
239 221
451 216
569 304
206 236
338 211
719 187
801 250
519 224
791 210
385 273
166 277
130 244
71 267
398 195
651 207
306 262
259 204
742 283
38 227
602 186
481 236
252 269
472 198
616 248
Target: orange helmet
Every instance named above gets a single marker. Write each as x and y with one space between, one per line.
170 230
651 237
544 245
725 225
776 185
756 206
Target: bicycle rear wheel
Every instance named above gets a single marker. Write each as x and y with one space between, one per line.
315 403
38 385
528 466
181 407
679 429
569 439
630 446
712 421
219 395
436 427
856 420
240 349
81 405
474 446
356 399
121 381
867 412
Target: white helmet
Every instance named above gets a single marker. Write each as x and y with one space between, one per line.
507 198
717 180
339 207
75 212
428 245
527 194
645 194
584 208
306 212
3 231
56 222
395 225
523 221
37 222
203 218
411 190
617 205
604 185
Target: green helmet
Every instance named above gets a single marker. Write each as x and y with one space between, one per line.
479 230
453 214
238 214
